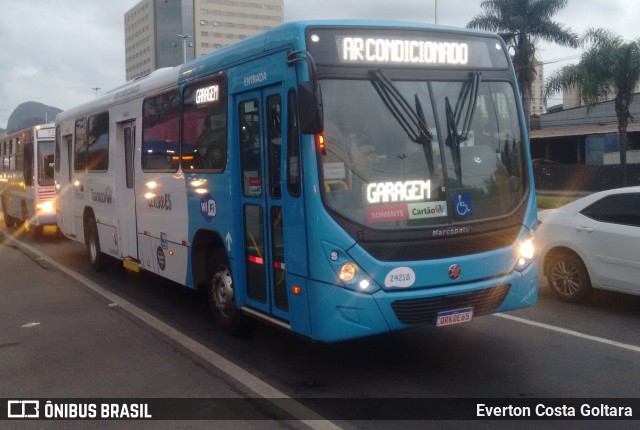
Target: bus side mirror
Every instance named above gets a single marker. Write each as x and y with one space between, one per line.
310 108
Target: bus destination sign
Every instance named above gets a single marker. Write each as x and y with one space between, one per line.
411 51
409 48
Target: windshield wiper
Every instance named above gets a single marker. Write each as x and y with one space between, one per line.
412 121
469 91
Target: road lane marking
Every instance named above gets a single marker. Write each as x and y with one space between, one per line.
571 332
252 382
31 324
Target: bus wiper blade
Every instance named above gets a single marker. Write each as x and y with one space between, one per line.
411 121
468 91
453 139
472 105
425 136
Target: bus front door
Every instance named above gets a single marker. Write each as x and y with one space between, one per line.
260 134
64 203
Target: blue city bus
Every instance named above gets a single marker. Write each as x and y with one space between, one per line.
338 179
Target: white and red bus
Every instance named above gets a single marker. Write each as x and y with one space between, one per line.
27 194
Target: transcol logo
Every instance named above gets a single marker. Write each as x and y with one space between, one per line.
162 202
105 196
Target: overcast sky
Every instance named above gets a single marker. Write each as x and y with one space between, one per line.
55 51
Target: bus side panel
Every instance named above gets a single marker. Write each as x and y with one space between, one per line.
167 259
161 208
100 189
78 228
13 198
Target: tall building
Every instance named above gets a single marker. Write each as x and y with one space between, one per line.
222 22
162 33
571 97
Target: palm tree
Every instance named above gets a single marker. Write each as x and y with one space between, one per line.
608 65
522 23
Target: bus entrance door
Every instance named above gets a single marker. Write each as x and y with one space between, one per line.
64 204
260 133
125 184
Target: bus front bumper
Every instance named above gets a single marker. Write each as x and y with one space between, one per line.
339 314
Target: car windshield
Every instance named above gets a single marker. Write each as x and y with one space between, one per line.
411 153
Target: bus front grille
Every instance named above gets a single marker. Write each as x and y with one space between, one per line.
420 311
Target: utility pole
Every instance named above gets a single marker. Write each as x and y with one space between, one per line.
96 90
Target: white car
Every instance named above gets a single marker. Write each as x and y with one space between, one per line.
593 242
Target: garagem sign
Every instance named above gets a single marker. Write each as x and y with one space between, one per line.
407 191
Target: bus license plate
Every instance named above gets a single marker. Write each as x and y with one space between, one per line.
455 316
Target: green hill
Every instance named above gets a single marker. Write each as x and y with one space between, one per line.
29 114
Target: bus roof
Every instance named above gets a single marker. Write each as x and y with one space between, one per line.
292 34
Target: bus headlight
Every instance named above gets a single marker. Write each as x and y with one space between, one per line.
526 253
354 278
348 272
46 207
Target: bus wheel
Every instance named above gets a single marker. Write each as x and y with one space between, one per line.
221 295
9 221
97 259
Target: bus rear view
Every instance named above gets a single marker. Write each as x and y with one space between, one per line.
425 210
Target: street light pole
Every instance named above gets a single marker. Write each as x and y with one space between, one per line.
184 46
96 90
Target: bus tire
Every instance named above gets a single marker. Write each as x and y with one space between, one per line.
9 221
37 231
221 296
97 259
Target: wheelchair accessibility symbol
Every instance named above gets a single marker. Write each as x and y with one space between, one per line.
462 205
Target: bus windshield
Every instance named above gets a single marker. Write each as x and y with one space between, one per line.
45 163
414 153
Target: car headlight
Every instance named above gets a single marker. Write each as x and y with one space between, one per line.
526 252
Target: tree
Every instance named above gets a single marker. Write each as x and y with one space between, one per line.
522 23
608 65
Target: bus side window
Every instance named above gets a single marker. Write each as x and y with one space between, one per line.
28 164
98 143
160 132
56 158
293 146
274 137
204 125
80 149
249 121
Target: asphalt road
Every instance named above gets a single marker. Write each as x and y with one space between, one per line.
552 350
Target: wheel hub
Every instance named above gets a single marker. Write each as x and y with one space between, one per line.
222 288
